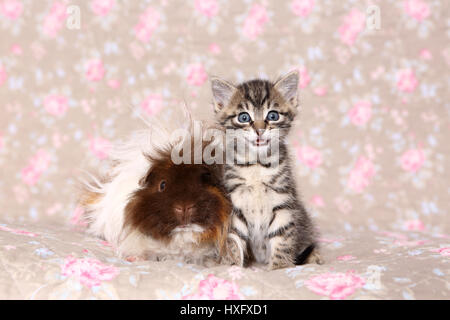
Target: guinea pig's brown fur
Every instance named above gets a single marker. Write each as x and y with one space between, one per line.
157 208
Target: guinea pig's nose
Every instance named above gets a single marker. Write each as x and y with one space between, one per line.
179 209
184 212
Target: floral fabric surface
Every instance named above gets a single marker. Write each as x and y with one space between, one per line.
370 144
57 262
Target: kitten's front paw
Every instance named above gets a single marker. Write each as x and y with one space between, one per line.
234 254
274 265
279 261
315 257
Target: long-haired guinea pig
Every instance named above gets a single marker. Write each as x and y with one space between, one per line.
150 208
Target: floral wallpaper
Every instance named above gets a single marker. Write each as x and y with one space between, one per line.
370 144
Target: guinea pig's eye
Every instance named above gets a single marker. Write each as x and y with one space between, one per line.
162 186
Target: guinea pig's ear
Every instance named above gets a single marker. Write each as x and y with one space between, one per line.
145 180
211 175
222 92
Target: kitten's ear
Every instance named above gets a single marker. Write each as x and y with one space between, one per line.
222 92
287 86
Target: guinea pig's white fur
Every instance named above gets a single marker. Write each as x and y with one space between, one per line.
128 165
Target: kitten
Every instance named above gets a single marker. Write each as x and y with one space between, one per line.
269 223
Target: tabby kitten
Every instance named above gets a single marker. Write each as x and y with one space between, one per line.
269 224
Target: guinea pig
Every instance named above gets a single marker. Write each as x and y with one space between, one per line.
150 208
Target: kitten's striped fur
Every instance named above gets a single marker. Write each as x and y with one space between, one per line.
269 223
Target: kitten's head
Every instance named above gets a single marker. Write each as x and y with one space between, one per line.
262 109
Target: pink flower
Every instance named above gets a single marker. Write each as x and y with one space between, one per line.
36 166
95 70
406 80
360 113
102 7
207 7
318 201
412 160
302 8
99 147
29 176
40 161
214 48
443 251
309 156
77 218
335 286
304 77
346 258
56 105
3 75
113 83
253 24
54 21
361 174
152 104
196 74
148 22
12 9
90 272
320 91
426 54
417 9
18 232
353 24
414 225
213 288
16 49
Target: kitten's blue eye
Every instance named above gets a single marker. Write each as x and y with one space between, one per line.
272 116
244 117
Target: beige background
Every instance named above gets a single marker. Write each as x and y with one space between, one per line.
366 70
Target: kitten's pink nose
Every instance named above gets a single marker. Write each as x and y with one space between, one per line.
260 126
184 212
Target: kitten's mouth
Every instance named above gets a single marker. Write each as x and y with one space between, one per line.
260 142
